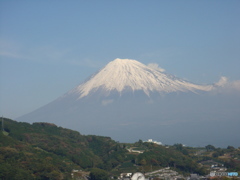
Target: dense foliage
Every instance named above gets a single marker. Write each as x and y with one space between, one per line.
45 151
98 174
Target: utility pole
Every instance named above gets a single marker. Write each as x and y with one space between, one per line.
2 124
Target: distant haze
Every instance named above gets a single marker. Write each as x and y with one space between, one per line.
49 47
128 101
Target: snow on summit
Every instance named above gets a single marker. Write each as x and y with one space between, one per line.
121 101
121 74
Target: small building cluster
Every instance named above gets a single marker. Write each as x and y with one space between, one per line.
79 175
130 176
155 142
165 173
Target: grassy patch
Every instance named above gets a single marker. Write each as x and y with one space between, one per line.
5 133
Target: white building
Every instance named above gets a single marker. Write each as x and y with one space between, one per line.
155 142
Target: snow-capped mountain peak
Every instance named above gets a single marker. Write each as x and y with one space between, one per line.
122 74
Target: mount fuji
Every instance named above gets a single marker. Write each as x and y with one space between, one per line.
128 101
126 74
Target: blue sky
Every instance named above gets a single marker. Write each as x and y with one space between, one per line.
49 47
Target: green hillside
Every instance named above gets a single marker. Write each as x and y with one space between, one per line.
45 151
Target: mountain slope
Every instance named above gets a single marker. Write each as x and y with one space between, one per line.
122 74
128 100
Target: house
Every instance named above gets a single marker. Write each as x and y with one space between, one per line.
155 142
125 176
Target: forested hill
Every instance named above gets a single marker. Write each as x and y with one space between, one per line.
45 151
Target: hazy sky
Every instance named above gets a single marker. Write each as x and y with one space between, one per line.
49 47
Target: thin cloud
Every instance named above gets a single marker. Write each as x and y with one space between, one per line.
156 66
226 86
12 55
44 53
106 102
222 82
47 53
233 86
236 85
11 49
